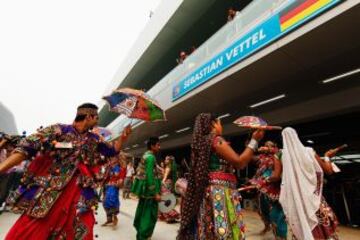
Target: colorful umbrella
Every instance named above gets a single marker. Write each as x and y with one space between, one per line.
135 104
254 122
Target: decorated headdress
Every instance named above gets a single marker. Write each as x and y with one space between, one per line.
87 109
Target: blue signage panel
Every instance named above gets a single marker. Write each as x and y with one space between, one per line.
260 36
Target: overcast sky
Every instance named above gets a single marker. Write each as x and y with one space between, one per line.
55 55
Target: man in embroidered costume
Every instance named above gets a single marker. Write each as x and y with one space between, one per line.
147 187
57 193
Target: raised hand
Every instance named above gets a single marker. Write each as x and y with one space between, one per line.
258 135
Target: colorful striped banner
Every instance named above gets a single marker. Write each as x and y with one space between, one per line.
303 10
293 15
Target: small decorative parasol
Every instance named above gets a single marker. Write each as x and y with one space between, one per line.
254 123
135 104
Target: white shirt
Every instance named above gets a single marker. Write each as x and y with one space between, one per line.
129 171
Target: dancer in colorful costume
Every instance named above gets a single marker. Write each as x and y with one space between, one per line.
147 187
267 180
211 208
167 186
57 193
306 210
114 178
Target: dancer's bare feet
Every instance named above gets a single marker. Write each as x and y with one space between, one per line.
115 221
106 223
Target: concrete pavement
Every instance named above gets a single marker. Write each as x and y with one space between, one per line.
163 231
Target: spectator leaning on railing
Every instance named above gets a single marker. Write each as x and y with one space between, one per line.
182 57
231 14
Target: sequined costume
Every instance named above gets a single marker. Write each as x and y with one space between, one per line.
270 209
111 200
220 214
57 194
326 228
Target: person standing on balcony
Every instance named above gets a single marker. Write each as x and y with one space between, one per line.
182 57
147 187
57 193
232 13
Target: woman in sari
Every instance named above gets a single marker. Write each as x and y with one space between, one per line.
211 208
306 210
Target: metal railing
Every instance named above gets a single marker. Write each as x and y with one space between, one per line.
253 14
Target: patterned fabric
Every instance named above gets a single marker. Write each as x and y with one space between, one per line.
270 209
147 179
212 209
135 104
326 229
111 199
220 213
62 221
272 213
198 179
265 168
127 106
59 154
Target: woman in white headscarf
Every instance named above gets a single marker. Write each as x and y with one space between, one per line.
308 214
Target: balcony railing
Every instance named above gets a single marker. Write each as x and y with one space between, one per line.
253 14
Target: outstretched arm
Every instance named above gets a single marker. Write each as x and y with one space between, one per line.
325 165
28 147
119 142
13 160
238 160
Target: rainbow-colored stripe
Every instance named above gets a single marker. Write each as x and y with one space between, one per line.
300 10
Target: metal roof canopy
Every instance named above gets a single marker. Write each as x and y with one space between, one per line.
294 68
192 24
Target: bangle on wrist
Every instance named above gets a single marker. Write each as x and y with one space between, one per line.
253 144
326 159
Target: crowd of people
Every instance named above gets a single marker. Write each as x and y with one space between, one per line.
10 179
71 168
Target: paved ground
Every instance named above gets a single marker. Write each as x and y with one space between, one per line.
163 231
